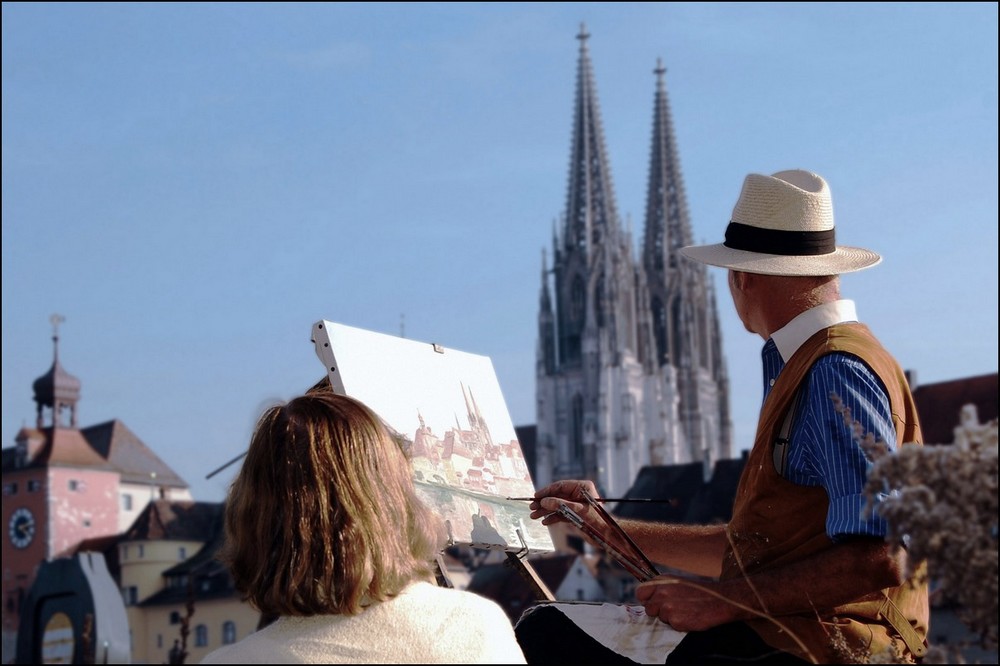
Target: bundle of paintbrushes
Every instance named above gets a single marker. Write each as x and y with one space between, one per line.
618 543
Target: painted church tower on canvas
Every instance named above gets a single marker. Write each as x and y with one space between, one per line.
630 369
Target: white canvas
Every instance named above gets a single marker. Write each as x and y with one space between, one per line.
448 408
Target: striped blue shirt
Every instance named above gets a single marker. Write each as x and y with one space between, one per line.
823 451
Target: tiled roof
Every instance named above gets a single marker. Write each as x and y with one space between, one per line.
107 446
60 447
176 520
123 449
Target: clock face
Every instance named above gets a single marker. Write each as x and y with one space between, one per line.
22 528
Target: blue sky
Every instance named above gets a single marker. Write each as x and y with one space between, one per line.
192 186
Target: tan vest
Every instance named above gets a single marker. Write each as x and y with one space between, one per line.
776 521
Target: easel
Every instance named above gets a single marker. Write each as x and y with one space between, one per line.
520 563
516 560
330 338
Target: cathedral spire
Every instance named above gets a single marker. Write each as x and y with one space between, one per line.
625 349
667 224
590 206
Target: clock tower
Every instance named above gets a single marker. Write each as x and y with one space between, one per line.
57 491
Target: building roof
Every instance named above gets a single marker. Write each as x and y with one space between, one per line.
59 447
198 578
939 405
673 487
176 520
714 502
681 493
122 448
106 446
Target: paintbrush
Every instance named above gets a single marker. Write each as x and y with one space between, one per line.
601 499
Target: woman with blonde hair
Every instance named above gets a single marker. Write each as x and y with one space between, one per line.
325 532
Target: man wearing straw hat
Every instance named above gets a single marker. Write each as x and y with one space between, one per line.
802 571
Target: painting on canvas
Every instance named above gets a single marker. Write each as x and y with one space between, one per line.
446 408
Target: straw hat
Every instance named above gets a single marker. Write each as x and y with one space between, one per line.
783 225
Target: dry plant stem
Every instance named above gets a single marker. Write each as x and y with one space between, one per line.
760 599
746 577
940 502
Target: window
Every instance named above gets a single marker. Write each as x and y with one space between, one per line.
74 485
182 553
126 502
142 551
34 486
130 595
228 632
159 640
124 552
200 636
10 489
175 617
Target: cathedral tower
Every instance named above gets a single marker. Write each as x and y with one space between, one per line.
629 371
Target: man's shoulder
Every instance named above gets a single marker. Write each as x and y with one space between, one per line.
839 359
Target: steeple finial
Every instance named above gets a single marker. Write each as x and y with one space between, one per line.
583 36
660 69
55 320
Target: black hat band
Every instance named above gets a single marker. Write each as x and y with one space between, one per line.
775 241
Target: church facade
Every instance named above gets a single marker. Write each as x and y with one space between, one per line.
630 370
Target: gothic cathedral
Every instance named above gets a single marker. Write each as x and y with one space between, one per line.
630 370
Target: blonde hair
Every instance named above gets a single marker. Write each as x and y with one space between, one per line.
323 517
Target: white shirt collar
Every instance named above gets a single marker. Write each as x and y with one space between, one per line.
790 337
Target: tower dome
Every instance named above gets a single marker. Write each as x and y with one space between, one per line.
56 389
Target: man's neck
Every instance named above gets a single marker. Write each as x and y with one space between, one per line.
778 310
790 337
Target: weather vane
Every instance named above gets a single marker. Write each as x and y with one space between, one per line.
55 320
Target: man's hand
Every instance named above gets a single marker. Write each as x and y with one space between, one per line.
548 499
685 604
